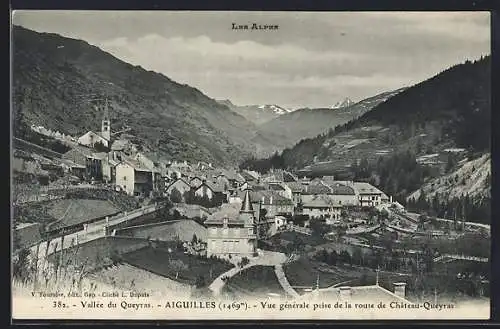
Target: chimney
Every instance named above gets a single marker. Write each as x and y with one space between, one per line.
400 289
345 293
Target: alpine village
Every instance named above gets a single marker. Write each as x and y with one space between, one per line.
125 179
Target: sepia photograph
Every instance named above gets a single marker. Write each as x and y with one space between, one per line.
211 165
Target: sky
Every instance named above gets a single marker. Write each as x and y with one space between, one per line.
313 59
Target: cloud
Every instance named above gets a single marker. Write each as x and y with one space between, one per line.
314 59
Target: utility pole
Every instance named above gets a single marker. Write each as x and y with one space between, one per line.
377 275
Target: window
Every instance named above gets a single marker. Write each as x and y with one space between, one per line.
250 231
125 178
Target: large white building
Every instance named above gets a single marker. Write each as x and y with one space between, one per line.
134 179
368 195
91 139
104 136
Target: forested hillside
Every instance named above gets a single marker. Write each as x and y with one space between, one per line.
386 145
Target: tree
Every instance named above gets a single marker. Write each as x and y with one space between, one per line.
178 266
200 281
322 256
175 196
357 257
319 228
194 240
21 266
332 258
345 257
298 244
100 147
244 262
341 231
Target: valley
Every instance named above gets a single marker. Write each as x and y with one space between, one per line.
124 178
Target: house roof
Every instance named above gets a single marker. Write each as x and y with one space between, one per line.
178 165
276 187
94 133
229 174
276 176
135 164
267 196
366 188
71 164
316 189
215 187
231 211
99 156
288 176
296 186
337 188
321 202
366 293
177 180
120 144
247 177
246 207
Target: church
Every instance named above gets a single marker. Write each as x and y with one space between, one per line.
233 235
104 137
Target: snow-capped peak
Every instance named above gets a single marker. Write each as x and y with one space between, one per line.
344 103
275 108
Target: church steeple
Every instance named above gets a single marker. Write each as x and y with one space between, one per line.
106 123
246 207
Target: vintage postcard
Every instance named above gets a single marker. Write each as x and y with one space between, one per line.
197 165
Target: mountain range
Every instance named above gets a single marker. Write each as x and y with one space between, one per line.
289 128
346 102
258 114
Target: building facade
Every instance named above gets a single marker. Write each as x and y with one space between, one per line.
322 208
133 179
233 235
368 195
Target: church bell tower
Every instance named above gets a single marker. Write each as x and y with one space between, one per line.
106 123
